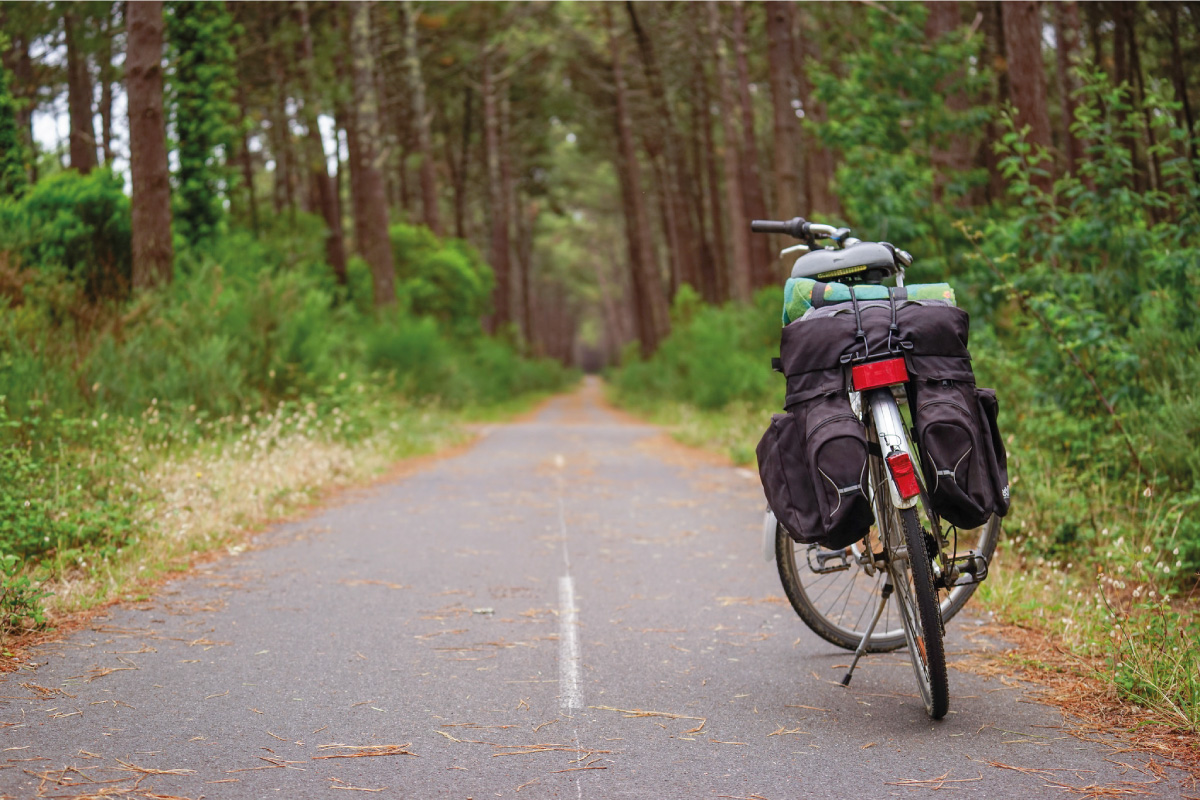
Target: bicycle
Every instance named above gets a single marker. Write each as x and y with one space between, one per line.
907 572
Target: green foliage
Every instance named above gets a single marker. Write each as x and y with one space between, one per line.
12 153
20 599
888 112
445 280
75 224
712 357
202 78
248 343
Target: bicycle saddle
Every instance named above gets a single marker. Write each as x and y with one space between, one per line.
853 260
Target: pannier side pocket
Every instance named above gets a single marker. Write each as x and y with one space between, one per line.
949 438
995 453
785 478
835 447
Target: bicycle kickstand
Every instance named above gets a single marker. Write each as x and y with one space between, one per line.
862 646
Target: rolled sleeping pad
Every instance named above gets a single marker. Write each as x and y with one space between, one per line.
801 294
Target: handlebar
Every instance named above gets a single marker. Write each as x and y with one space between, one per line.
799 228
809 232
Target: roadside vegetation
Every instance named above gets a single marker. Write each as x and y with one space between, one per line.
138 430
1083 298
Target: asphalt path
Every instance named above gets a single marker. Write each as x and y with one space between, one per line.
573 607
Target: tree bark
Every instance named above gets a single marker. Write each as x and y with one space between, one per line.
819 163
429 194
153 251
376 246
714 264
498 240
246 158
107 79
782 69
648 295
739 273
335 245
952 156
755 203
1027 78
1179 82
1067 32
79 99
676 183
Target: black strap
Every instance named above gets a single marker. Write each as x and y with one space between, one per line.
818 294
894 329
859 333
777 364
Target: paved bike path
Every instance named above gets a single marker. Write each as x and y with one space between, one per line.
476 629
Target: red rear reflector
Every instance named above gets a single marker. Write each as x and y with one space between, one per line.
879 373
902 471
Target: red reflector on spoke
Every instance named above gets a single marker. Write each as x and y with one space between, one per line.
902 472
878 373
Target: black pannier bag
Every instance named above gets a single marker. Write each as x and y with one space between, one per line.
948 411
813 466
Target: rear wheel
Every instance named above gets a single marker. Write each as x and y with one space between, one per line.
911 569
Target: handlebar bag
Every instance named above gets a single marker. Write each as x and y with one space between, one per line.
963 459
813 466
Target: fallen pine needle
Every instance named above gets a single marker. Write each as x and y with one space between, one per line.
150 771
529 783
367 751
573 769
935 783
637 712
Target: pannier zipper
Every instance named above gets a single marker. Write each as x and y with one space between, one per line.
828 420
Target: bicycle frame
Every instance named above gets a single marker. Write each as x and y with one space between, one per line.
889 426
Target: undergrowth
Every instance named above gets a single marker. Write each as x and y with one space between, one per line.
138 428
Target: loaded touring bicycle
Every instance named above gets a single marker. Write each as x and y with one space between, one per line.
886 475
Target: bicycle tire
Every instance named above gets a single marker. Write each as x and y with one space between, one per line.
921 613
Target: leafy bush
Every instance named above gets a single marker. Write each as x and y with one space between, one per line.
76 224
712 357
446 280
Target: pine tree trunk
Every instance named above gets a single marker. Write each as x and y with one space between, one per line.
819 163
753 198
952 156
739 273
782 69
648 295
79 99
675 182
498 249
375 246
1026 74
1179 81
464 167
107 78
1067 31
153 251
429 194
715 266
335 245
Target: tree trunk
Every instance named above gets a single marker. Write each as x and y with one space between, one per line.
648 295
335 245
1027 77
1179 81
79 99
952 156
246 158
715 260
498 249
107 78
739 275
676 182
464 167
784 91
1067 31
416 84
755 203
375 246
819 164
153 251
